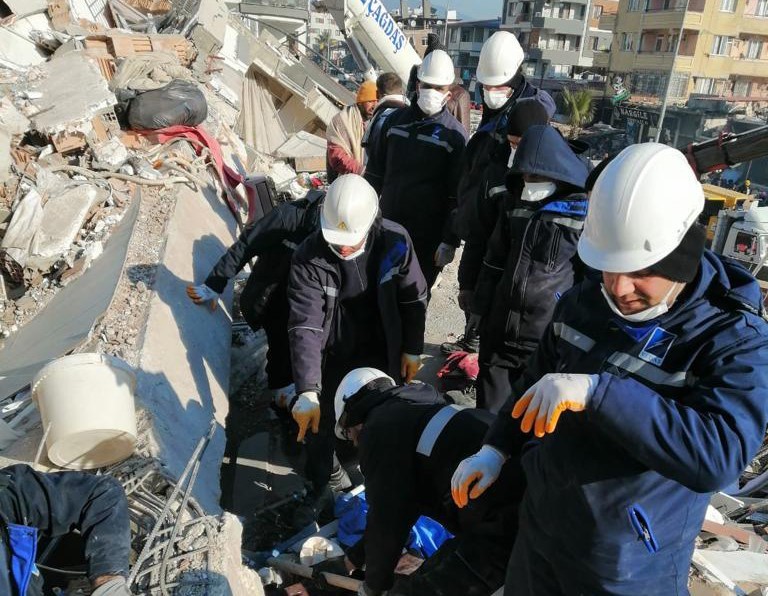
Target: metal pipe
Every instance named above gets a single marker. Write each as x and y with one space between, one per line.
663 111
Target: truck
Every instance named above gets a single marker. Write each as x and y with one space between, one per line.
368 27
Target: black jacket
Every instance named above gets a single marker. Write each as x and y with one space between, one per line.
531 257
416 170
313 287
272 239
402 484
33 504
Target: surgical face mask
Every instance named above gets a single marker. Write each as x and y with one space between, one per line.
431 101
648 314
538 191
496 98
335 250
511 156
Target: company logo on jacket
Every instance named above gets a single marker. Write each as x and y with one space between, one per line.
657 346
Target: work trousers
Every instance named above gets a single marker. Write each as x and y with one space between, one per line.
274 320
494 385
425 253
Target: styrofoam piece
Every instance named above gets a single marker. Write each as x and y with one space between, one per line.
88 401
317 549
714 515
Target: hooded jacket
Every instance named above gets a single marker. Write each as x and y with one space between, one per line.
416 171
402 483
531 258
313 288
619 491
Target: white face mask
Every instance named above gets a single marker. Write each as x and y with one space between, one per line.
431 101
496 98
648 314
511 157
351 257
538 191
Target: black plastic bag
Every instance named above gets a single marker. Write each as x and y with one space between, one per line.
179 102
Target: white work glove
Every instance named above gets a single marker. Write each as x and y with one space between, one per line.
114 587
478 472
203 294
550 396
283 396
306 411
473 325
410 364
444 254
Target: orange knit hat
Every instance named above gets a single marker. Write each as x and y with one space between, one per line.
366 92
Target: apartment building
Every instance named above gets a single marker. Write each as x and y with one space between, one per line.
722 52
559 38
323 29
465 40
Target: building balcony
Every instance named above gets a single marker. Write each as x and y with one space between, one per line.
554 56
607 22
754 25
562 26
600 58
662 61
749 68
672 19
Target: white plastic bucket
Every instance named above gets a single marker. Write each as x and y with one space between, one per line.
88 401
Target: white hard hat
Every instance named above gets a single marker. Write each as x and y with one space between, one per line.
349 210
437 69
352 382
640 208
500 59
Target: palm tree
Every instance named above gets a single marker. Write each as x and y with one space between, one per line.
324 42
580 109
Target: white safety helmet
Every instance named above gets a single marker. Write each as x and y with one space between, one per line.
437 69
500 59
352 382
349 210
640 208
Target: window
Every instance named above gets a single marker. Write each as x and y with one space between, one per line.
627 42
754 49
721 45
679 85
597 11
647 83
466 34
704 86
510 9
762 8
593 43
424 42
454 35
634 5
741 88
478 37
659 45
727 5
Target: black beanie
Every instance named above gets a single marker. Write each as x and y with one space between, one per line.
526 113
682 264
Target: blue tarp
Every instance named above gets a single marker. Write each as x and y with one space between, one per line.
426 535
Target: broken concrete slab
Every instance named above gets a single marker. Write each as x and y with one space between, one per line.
73 92
11 119
63 217
736 566
25 222
22 8
68 318
16 47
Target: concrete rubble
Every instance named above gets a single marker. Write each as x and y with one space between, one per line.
101 227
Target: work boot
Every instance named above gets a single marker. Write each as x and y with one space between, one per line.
470 345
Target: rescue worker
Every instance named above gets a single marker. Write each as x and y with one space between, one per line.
645 395
416 166
356 297
408 474
345 134
530 261
35 505
480 215
487 155
389 92
264 301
